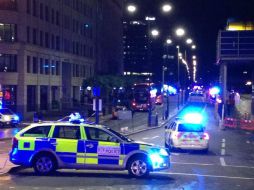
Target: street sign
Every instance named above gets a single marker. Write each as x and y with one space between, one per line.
94 104
235 45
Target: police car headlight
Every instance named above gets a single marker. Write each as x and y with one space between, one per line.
16 118
163 152
156 159
7 118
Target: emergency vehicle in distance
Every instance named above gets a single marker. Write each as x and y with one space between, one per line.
50 146
8 117
144 95
186 134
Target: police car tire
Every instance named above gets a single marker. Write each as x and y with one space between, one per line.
49 158
139 159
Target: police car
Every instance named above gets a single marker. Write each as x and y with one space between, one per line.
8 117
50 146
182 134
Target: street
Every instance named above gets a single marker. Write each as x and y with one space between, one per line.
229 164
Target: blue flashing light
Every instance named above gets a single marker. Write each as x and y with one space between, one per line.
16 118
171 90
194 118
156 160
214 91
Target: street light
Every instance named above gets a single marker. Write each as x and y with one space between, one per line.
193 47
166 8
189 41
169 41
131 8
180 32
155 32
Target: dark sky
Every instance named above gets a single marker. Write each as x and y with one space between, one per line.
202 20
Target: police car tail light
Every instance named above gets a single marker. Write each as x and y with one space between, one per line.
205 136
14 143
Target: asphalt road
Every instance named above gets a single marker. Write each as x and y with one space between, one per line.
228 165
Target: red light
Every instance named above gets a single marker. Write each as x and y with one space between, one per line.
205 136
15 142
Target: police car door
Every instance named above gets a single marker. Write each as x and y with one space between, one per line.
102 149
69 145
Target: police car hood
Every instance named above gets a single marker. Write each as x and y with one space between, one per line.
144 143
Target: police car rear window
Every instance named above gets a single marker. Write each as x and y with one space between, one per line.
40 131
190 128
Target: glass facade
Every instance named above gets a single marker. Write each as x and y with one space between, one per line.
8 4
8 32
8 63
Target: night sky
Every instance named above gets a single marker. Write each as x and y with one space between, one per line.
202 19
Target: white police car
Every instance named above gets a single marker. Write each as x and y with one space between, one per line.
181 134
8 117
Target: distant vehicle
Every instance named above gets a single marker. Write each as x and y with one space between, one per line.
8 117
198 97
57 145
185 135
143 96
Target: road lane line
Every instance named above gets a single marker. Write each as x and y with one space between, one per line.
155 137
204 175
223 145
222 152
233 166
222 161
186 163
248 142
145 138
223 140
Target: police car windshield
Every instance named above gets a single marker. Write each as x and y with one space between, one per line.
6 112
190 128
119 135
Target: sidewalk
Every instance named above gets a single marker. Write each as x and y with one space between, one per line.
5 164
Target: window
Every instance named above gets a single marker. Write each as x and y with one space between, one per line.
57 67
41 11
57 18
31 98
97 134
41 66
58 42
53 68
28 6
47 39
41 38
34 8
46 66
34 36
52 41
73 70
47 13
7 32
8 63
67 132
41 131
28 34
8 4
28 64
35 65
52 16
77 70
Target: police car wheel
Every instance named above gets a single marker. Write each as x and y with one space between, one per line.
44 164
138 167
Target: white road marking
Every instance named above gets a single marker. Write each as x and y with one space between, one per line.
145 138
248 142
233 166
186 163
222 152
223 140
223 145
155 137
175 154
203 175
35 187
222 161
11 187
